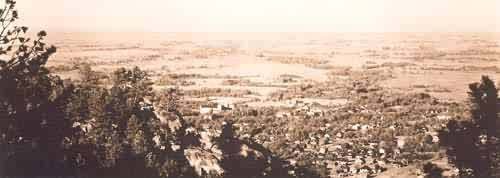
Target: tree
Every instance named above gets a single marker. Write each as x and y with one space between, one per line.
472 144
33 126
169 100
484 99
432 171
127 135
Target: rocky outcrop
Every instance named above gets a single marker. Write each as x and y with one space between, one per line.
204 161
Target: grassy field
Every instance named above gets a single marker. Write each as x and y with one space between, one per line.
440 64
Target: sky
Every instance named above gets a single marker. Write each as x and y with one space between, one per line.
261 15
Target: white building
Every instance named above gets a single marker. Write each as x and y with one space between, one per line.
214 108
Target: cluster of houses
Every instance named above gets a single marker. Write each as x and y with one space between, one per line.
301 108
215 109
291 108
354 149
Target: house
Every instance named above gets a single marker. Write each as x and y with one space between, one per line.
315 112
214 108
294 103
222 107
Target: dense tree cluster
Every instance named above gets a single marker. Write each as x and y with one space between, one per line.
53 127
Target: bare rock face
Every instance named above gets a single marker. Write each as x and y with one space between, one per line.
171 119
204 162
214 153
231 158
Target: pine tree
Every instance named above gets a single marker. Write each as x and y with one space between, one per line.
484 99
472 144
136 136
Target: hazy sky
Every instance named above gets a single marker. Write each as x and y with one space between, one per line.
262 15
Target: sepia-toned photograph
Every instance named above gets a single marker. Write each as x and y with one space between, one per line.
249 88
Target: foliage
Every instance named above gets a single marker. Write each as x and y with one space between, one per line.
432 171
472 144
32 124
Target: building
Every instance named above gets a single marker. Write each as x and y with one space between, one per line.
214 108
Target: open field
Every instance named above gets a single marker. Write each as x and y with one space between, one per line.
263 63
